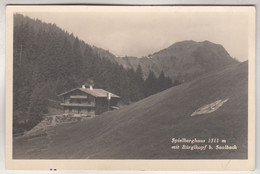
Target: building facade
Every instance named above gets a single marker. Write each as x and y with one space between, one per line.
88 101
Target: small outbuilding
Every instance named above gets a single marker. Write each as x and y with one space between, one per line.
87 101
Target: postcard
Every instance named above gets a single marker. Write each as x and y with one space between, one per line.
92 87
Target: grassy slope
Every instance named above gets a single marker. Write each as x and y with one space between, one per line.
144 129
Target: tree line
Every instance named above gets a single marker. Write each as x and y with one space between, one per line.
48 61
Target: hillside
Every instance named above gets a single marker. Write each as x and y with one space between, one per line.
183 60
144 130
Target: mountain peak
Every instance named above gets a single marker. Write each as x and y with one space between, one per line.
183 43
192 42
184 60
207 42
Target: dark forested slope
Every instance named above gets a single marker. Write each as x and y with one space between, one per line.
48 61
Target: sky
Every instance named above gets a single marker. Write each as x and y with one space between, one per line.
139 31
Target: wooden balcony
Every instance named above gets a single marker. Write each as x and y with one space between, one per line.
79 104
78 97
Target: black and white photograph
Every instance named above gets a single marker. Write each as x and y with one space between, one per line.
172 83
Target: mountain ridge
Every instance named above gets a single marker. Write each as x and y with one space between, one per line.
180 57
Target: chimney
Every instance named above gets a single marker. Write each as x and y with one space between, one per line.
83 86
89 84
109 96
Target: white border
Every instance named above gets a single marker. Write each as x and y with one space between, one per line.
2 48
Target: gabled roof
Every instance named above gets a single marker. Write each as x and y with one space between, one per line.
93 92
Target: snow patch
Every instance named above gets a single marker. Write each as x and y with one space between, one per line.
209 108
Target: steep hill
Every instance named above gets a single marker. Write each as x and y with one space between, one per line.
183 60
144 130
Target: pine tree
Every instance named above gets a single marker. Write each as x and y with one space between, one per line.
150 84
163 82
138 79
